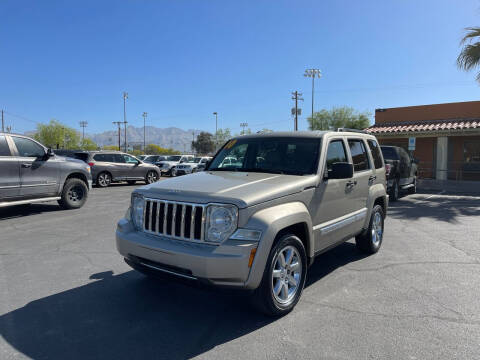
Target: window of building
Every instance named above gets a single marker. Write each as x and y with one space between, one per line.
471 151
375 150
359 155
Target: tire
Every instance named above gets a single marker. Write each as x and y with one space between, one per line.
413 189
131 182
74 194
173 172
394 191
151 177
272 297
370 241
104 179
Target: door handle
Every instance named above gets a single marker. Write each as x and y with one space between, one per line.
26 165
351 183
372 178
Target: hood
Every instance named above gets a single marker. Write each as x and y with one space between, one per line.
240 188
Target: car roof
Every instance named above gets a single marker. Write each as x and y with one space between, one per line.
305 134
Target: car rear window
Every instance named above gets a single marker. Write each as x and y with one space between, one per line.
4 149
389 153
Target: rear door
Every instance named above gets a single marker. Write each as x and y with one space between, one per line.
39 174
9 172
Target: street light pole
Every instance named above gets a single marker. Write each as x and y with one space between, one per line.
144 136
313 73
125 97
216 130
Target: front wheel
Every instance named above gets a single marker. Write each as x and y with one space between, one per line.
370 241
151 177
283 278
413 189
74 194
173 172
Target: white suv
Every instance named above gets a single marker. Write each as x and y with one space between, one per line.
167 167
191 166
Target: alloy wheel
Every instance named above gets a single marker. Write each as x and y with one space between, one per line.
286 275
151 177
377 229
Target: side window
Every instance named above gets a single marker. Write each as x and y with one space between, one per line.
359 155
4 149
375 150
130 159
99 157
28 148
335 153
117 158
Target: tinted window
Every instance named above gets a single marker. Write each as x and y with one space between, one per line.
359 155
130 159
4 149
389 153
336 153
174 158
375 150
104 157
28 148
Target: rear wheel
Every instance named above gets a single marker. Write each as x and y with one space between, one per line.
74 194
394 191
173 172
104 179
151 177
370 241
284 277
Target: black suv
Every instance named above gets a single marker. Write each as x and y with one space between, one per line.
401 171
114 166
31 173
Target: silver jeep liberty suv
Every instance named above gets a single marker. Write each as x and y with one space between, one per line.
263 209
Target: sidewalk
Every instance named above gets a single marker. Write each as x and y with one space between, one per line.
450 186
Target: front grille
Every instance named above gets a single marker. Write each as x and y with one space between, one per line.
174 219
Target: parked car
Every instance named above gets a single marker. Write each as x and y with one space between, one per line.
167 167
31 173
114 166
191 166
401 171
259 225
154 159
75 154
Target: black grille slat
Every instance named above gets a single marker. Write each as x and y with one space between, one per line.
178 220
153 220
188 217
197 234
161 215
147 215
169 218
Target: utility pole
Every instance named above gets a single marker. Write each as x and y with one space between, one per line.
193 140
119 123
216 130
313 73
3 123
243 126
144 136
296 111
125 97
83 125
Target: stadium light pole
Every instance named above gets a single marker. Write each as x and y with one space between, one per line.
313 73
216 130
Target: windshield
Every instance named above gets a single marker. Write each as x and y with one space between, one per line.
142 157
289 155
174 158
389 153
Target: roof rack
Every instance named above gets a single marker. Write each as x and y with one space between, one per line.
342 129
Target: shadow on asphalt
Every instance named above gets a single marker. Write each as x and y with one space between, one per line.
128 316
18 211
447 209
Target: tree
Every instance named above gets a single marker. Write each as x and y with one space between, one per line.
57 135
338 117
223 135
88 144
264 131
469 57
204 143
110 147
153 149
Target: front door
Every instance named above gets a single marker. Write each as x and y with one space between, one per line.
9 172
129 166
332 218
38 173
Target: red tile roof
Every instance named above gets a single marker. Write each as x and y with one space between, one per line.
425 126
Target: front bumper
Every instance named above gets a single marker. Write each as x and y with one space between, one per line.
220 265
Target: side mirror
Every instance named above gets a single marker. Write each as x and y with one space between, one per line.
50 153
341 170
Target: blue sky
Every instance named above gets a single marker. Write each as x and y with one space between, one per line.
180 60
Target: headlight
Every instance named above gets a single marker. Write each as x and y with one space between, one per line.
137 210
221 222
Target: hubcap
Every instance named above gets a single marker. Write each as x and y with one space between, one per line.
75 194
151 177
286 275
377 229
104 179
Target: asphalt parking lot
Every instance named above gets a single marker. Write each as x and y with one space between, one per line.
67 294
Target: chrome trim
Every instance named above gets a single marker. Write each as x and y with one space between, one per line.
202 229
169 271
165 211
174 219
353 217
10 187
30 201
192 222
33 185
182 222
157 218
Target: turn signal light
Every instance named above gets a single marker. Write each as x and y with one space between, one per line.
252 256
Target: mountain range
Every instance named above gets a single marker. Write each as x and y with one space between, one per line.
171 137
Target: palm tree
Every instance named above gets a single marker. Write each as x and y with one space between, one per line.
469 57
